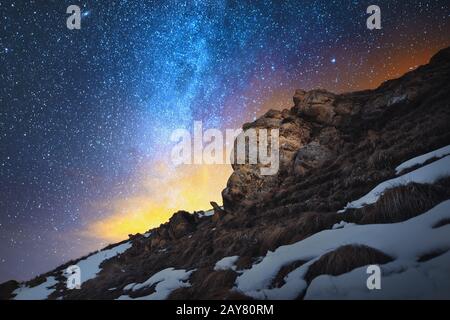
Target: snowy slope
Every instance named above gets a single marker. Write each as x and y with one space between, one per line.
405 241
39 292
439 153
426 174
426 280
90 266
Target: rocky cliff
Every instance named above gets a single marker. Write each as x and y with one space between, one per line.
279 236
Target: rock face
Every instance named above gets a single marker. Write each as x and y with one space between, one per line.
308 139
317 105
323 131
246 182
181 224
334 148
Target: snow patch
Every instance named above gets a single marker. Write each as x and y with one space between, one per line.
397 99
166 281
129 286
208 213
226 263
439 153
342 224
90 266
39 292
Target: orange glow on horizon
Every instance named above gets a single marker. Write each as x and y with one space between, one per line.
192 187
188 187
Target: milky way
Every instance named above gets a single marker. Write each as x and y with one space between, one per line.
86 115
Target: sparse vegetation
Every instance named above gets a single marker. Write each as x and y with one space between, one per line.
431 255
441 223
284 271
345 259
403 202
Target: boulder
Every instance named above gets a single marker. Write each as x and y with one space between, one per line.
317 105
180 224
246 184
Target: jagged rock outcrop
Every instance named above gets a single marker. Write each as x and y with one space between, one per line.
334 148
308 138
348 135
247 183
317 105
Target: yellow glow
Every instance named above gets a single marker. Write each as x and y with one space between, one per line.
188 187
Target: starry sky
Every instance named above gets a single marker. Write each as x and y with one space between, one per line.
86 115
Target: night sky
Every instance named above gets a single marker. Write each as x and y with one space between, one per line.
86 115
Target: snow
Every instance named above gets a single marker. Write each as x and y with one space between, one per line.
90 266
342 224
39 292
147 234
208 213
226 263
427 280
166 281
397 99
129 286
426 174
439 153
404 241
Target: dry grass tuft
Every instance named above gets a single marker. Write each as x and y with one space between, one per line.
404 202
278 281
431 255
344 259
442 223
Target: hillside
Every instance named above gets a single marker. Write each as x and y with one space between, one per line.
364 179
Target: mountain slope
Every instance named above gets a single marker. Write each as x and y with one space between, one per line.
357 185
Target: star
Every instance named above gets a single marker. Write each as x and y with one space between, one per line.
93 119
